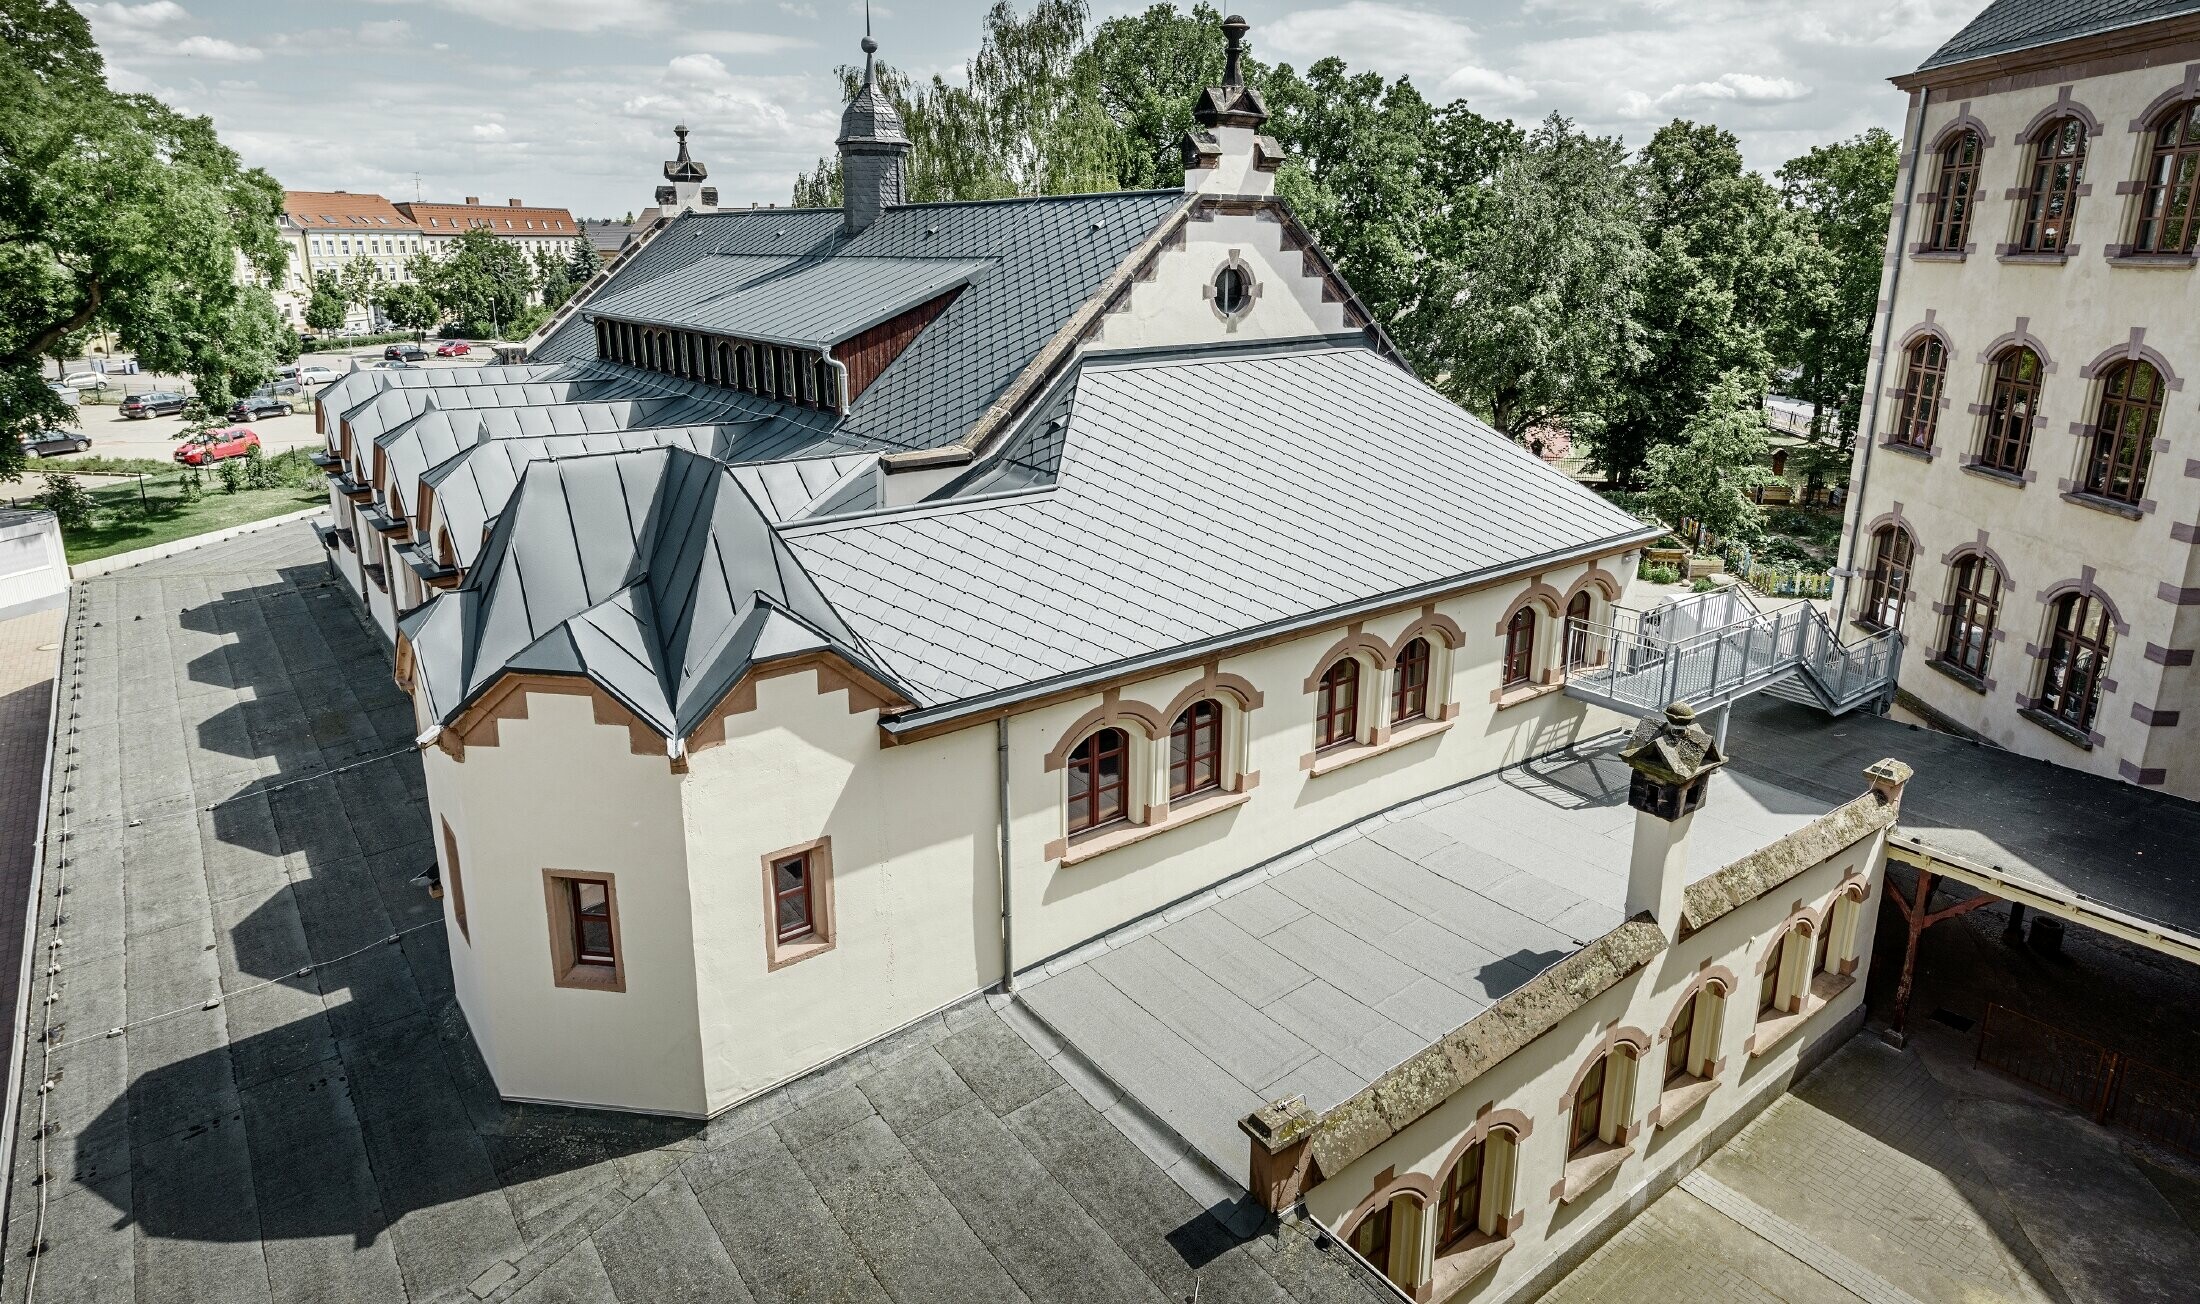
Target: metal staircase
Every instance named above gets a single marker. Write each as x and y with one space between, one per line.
1708 649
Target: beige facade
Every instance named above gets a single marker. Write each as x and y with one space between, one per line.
2027 464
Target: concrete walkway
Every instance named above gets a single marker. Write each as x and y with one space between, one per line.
1898 1176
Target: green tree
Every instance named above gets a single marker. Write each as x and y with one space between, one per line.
553 279
407 306
325 303
360 283
1147 70
1722 257
482 284
581 263
1711 473
1843 195
118 210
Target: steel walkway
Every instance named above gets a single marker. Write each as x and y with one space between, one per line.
1708 649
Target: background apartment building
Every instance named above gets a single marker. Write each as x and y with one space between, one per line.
326 230
2027 498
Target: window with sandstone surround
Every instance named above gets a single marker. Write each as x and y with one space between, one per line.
1577 626
2123 432
1973 611
1409 683
2051 201
1195 750
1337 705
2169 203
2080 640
1099 780
1678 1064
1924 370
584 930
1460 1207
1373 1236
2011 403
1954 193
798 903
1519 665
1887 585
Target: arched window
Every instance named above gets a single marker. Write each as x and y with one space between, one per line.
1337 705
1099 780
2123 432
1887 585
1195 749
1770 998
1974 606
1372 1237
1520 648
1460 1213
1409 687
2009 408
2051 201
1922 375
2080 638
1692 1043
1588 1107
2169 208
1577 630
1953 194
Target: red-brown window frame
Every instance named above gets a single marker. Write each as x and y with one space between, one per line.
1376 1248
1677 1064
2011 403
580 917
2172 178
1955 193
1768 985
1409 682
1195 740
2051 201
2078 625
1455 1224
1088 810
1973 612
2122 448
1887 583
1337 705
1585 1126
1519 665
805 890
1924 372
1577 629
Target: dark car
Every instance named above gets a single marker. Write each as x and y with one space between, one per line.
254 406
53 443
151 403
405 353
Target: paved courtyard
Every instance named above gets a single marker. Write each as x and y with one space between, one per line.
248 1081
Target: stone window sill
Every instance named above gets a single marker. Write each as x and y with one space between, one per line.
1940 255
1675 1102
2154 260
1585 1170
1471 1258
2108 505
1331 762
1774 1029
594 977
2041 257
2062 730
1908 450
1102 841
1867 626
1515 696
1957 673
2014 479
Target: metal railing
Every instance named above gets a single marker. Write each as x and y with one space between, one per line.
1710 648
2109 1086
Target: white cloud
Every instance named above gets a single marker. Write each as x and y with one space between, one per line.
1741 87
562 15
489 131
214 49
697 68
385 32
136 18
755 44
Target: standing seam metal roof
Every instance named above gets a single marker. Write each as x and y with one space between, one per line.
807 303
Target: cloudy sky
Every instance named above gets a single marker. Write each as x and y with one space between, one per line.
572 102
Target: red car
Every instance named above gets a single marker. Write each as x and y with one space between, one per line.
216 445
453 349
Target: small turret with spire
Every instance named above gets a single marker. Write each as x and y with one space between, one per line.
686 176
872 145
1228 155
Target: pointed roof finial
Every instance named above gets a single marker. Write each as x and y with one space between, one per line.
682 167
1234 29
870 47
1233 103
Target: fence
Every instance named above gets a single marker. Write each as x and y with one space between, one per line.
2108 1085
1771 580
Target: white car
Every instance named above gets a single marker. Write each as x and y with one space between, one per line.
81 380
318 375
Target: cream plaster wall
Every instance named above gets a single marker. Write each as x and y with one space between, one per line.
559 791
1537 1079
1173 307
2077 312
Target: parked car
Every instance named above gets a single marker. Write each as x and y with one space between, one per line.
152 403
53 443
318 375
95 380
307 339
253 407
405 353
216 445
453 349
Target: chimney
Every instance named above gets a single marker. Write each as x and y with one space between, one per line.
685 177
514 203
872 148
473 199
1227 154
1673 758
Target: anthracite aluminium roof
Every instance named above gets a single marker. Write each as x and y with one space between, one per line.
1045 257
2006 26
808 303
1196 497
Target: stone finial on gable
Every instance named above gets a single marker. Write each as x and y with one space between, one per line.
1227 154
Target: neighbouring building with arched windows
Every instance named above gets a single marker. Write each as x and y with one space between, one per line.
2026 502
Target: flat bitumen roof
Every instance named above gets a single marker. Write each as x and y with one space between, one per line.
1315 973
295 1110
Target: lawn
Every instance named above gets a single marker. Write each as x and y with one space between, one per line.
123 521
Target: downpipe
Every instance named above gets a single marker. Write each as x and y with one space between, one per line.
1008 914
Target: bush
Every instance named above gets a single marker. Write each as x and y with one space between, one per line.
1703 584
67 500
1658 574
232 472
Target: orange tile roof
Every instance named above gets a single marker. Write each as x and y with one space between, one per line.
339 210
504 219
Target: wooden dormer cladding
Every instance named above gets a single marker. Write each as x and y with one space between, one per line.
867 355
